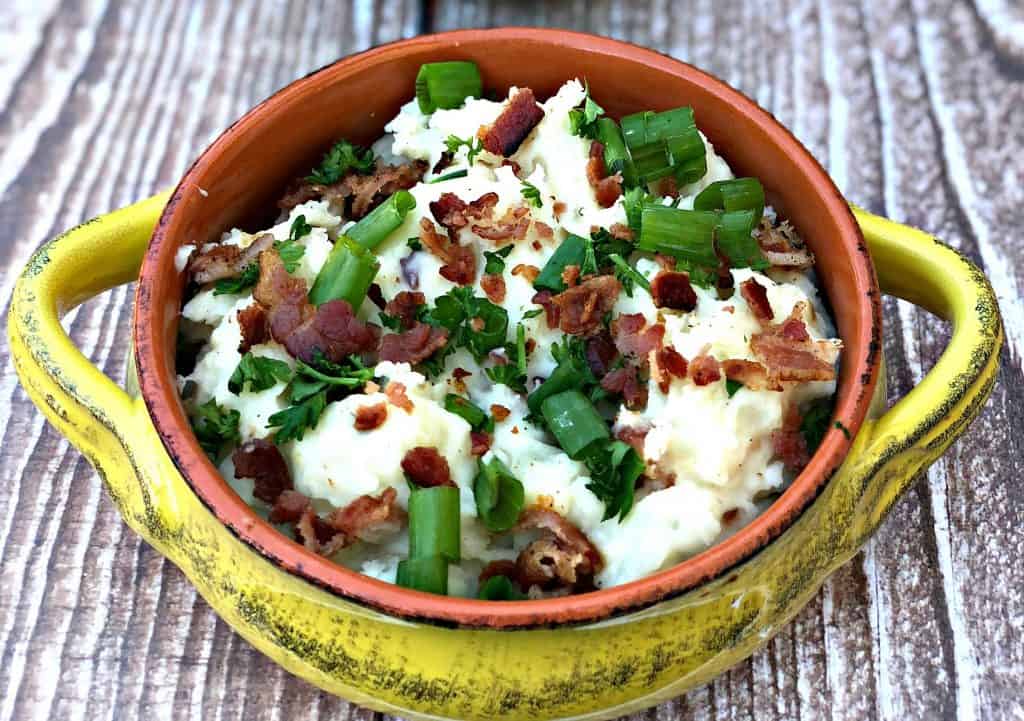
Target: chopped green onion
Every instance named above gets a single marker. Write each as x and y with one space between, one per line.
616 157
691 235
383 220
424 574
434 523
566 376
729 195
570 252
447 85
736 240
499 496
347 274
666 143
467 411
451 176
574 422
499 588
732 387
624 268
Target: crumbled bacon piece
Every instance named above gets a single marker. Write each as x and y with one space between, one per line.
669 363
672 289
226 261
453 213
480 443
404 307
443 162
512 225
600 353
704 369
395 392
558 207
545 299
331 328
581 308
369 518
788 353
621 232
782 247
376 295
499 412
607 188
635 436
751 374
624 382
570 275
414 345
730 516
426 467
543 230
510 128
756 296
563 558
288 507
494 287
371 417
789 443
252 320
261 461
459 260
529 272
358 194
634 338
317 535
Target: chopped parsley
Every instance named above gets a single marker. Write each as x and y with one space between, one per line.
532 313
814 424
598 250
614 469
390 322
240 283
465 409
531 194
512 374
732 387
414 244
496 260
473 323
582 120
292 422
473 146
339 160
290 250
627 275
259 373
214 426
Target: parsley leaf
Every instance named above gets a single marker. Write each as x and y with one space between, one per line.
532 313
474 146
414 243
627 275
531 194
391 322
300 228
814 424
214 426
512 374
496 260
240 283
259 372
472 322
341 158
582 119
614 469
292 422
732 387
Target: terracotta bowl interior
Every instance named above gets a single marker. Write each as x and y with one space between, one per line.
237 180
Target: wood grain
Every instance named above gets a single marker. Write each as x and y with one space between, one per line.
914 105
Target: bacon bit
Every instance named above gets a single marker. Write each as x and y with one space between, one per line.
370 388
261 461
317 535
634 338
729 309
545 299
376 295
581 308
730 516
529 272
756 296
426 467
789 443
751 374
510 128
563 558
624 382
600 353
480 443
570 275
477 324
607 188
360 193
621 232
302 328
531 345
704 369
494 287
226 261
558 208
371 417
789 354
498 568
459 260
543 230
667 186
666 262
395 392
670 363
288 507
512 225
782 246
443 162
369 518
635 436
459 376
404 306
515 429
659 481
414 345
671 289
252 320
516 168
499 412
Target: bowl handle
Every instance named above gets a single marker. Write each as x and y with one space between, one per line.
96 415
912 434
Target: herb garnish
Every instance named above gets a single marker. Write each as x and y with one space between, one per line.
341 158
582 119
531 194
259 372
474 323
240 283
732 387
290 250
499 496
414 244
614 469
474 146
814 424
512 374
496 260
214 426
469 412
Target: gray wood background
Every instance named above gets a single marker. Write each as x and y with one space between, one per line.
916 107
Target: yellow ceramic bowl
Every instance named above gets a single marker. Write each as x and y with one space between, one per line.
430 669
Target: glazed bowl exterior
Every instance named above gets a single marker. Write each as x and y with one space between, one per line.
596 655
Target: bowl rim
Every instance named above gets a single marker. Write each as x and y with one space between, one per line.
214 492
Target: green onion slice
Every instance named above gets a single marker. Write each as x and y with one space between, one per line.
424 574
347 274
499 496
616 157
450 176
383 220
666 143
465 409
574 422
691 235
499 588
730 195
435 523
570 252
447 85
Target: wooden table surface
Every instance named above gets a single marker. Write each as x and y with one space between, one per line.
915 106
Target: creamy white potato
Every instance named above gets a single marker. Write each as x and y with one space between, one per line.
716 447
